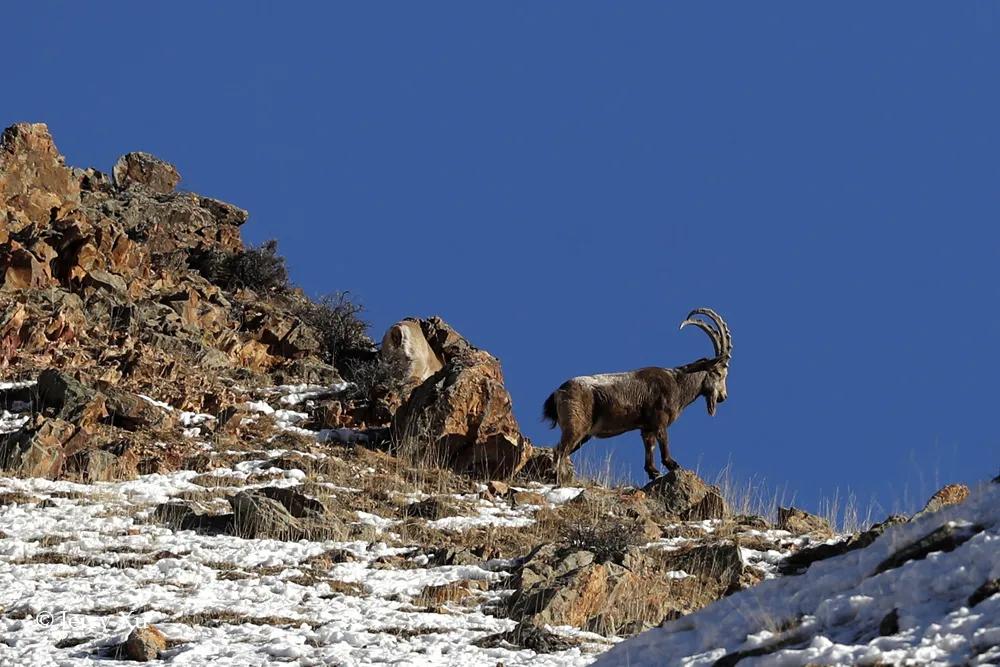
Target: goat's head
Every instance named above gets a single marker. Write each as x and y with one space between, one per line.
716 369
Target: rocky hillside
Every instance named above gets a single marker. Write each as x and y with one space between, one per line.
199 464
121 292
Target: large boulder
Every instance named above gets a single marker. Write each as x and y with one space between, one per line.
462 414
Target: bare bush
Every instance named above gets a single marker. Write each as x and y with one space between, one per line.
337 320
607 539
378 376
259 269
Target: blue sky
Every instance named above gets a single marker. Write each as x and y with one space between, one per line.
563 182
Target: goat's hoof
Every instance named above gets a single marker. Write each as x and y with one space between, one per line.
671 465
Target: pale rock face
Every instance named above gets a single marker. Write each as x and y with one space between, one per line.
407 338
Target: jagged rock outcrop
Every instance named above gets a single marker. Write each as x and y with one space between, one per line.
34 180
463 411
84 261
124 280
105 279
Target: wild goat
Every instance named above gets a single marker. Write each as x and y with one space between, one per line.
648 400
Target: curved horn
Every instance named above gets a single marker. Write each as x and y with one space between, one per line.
716 341
725 337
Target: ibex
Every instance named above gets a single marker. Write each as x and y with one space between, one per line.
648 400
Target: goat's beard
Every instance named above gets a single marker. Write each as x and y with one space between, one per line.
710 404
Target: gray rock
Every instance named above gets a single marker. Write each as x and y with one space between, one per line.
298 504
61 395
256 515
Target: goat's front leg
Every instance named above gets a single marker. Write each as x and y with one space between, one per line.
668 461
649 441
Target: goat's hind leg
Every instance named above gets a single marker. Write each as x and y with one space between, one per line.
575 409
568 443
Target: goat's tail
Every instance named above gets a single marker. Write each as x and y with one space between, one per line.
549 411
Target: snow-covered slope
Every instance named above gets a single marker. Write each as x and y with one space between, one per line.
84 569
873 606
82 565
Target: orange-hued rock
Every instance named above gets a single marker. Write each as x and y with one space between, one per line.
145 643
143 169
34 178
952 494
463 413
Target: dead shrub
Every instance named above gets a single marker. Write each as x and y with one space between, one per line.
342 331
378 376
260 269
608 540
